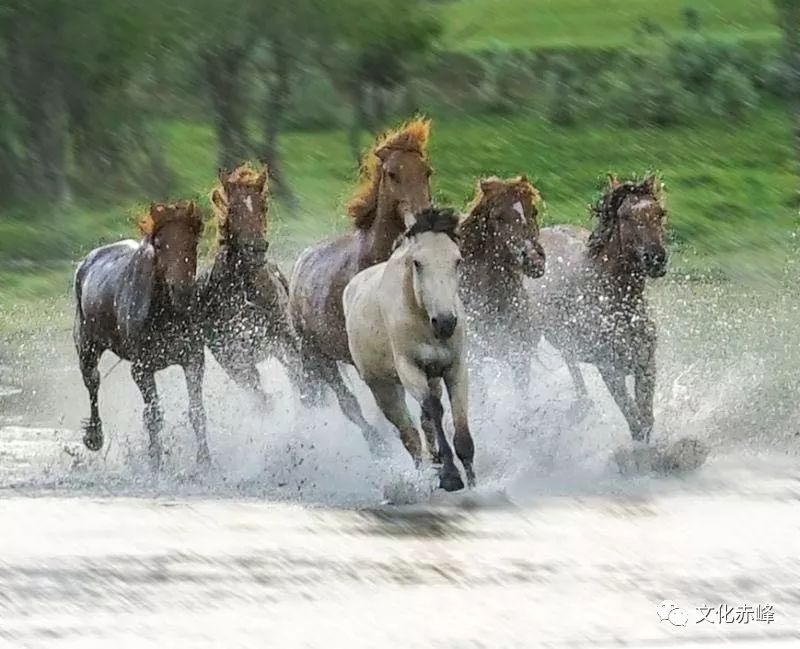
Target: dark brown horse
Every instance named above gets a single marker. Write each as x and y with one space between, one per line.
244 298
394 187
500 247
592 302
137 299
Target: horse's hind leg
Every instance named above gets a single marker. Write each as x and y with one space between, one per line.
245 374
152 416
391 399
194 370
88 358
348 402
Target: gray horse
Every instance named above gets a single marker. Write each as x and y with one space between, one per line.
591 302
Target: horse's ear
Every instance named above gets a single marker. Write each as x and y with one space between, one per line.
222 175
653 184
613 181
383 153
219 200
488 185
136 293
261 180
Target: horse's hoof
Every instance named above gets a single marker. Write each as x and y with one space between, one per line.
451 481
93 436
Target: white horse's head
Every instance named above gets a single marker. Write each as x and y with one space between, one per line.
433 257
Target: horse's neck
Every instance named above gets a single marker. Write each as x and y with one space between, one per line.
380 237
615 279
490 282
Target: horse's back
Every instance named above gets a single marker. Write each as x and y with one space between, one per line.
98 276
316 287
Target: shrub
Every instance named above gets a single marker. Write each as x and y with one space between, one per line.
561 99
732 94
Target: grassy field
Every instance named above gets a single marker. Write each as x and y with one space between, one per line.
534 24
730 190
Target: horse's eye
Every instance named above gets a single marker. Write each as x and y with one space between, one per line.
428 173
417 265
392 175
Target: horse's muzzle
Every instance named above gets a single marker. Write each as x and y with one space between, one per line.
444 325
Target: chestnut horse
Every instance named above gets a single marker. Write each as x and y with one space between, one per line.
592 303
500 246
395 185
137 299
244 298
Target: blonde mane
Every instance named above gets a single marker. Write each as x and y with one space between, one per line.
496 188
411 136
159 214
245 175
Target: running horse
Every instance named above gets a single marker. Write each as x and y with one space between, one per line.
591 302
243 296
137 299
500 246
395 186
406 332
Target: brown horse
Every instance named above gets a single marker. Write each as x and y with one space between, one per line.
244 298
137 299
500 247
395 185
592 303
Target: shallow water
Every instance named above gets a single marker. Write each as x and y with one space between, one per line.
289 541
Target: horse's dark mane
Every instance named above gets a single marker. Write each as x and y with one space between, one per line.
606 209
435 219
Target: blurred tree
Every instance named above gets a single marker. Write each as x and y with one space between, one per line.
226 32
69 70
789 22
377 42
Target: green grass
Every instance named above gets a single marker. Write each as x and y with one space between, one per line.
537 24
730 191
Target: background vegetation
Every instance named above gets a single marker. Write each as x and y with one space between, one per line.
107 105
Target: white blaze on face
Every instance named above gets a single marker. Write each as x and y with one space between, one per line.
517 207
249 202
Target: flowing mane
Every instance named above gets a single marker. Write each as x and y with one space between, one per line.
606 208
488 193
160 214
412 137
245 175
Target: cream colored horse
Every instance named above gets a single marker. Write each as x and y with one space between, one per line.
405 330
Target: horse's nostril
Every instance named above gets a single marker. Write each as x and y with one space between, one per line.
444 326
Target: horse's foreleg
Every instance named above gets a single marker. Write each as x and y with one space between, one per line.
416 382
645 388
88 357
428 426
456 380
391 399
614 378
152 416
194 370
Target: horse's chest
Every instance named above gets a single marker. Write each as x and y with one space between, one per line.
434 359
